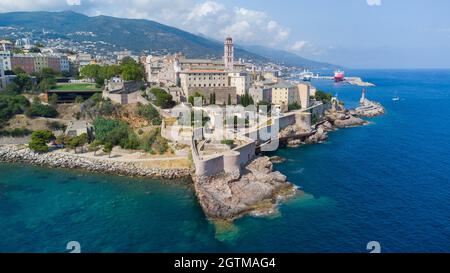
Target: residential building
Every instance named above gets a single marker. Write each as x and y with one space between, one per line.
304 93
241 80
23 61
2 77
5 59
261 93
64 63
40 61
284 94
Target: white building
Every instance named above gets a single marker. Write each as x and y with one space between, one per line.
284 94
240 80
202 78
304 93
5 59
2 77
64 63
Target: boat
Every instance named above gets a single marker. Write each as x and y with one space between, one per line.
306 75
396 97
339 75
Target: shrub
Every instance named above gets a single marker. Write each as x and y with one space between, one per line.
162 98
228 142
149 113
12 105
37 109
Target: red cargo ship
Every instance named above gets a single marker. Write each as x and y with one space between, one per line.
339 76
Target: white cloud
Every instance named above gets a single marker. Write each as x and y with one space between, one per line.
306 48
244 25
374 2
73 2
211 18
299 45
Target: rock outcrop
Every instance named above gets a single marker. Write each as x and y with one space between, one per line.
16 154
257 191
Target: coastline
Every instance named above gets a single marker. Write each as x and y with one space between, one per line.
16 154
257 191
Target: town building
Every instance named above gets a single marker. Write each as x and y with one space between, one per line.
23 61
260 94
284 94
5 59
203 78
241 80
64 63
304 94
35 62
2 77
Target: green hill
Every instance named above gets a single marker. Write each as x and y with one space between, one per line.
132 34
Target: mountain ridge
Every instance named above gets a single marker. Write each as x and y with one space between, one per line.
139 35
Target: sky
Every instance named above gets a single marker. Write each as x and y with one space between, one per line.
352 33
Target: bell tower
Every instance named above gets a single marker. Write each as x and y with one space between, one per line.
229 54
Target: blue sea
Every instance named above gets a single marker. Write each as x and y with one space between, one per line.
386 182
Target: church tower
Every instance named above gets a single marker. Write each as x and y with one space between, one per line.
229 54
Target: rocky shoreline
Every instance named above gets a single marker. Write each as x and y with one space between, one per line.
17 154
256 191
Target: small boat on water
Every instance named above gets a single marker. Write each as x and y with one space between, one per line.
396 97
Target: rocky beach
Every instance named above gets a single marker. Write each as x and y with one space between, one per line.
21 154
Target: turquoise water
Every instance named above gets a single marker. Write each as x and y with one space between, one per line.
385 182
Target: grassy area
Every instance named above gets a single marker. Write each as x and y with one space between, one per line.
75 86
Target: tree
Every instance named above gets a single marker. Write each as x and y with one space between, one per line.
131 71
94 146
78 141
53 99
191 99
90 71
18 70
162 98
39 140
12 88
322 96
107 148
11 105
294 106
